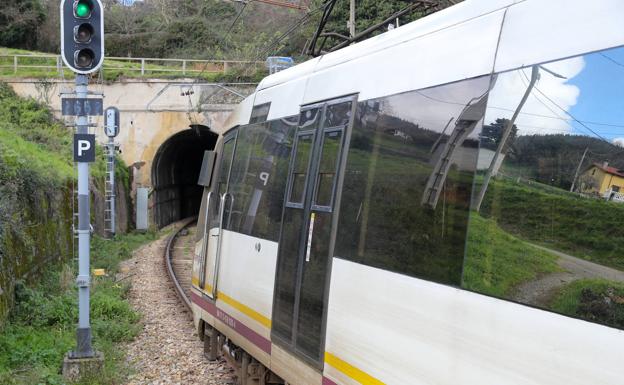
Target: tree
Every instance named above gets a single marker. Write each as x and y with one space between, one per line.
492 134
19 22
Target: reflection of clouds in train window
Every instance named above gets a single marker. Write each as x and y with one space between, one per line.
539 116
427 107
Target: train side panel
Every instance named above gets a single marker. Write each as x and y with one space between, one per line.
388 328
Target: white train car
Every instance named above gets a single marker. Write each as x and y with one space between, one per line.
339 240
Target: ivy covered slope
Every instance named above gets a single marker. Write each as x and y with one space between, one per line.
35 191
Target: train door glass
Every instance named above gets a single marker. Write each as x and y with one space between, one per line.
209 276
307 228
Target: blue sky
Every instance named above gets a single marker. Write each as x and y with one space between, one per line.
601 99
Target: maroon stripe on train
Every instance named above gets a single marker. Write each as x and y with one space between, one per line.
233 323
327 381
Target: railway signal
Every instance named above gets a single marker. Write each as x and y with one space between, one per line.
82 35
82 50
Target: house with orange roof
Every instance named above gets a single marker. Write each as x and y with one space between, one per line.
603 180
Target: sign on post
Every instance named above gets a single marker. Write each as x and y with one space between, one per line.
111 122
84 148
81 107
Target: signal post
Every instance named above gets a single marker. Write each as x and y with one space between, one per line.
82 50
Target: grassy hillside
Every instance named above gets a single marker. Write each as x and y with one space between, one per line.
496 261
587 228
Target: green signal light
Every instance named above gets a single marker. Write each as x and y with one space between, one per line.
83 9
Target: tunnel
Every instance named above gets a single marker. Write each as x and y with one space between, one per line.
175 171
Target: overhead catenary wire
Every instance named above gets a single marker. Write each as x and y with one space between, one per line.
611 59
565 112
238 15
293 27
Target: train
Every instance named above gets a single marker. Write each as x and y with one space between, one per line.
367 217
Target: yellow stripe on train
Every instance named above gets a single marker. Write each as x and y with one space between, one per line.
351 371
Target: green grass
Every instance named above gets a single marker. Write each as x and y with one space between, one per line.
496 262
586 228
596 300
118 69
42 325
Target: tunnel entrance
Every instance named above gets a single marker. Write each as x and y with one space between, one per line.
175 172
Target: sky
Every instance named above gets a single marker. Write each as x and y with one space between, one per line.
593 92
589 88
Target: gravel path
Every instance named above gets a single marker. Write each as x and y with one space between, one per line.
540 291
168 350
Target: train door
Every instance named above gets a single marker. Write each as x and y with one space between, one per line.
309 226
217 204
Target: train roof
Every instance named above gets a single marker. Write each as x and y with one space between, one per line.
446 18
467 40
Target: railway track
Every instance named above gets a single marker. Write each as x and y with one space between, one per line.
178 257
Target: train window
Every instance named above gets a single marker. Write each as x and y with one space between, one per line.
222 177
409 173
545 228
337 114
326 177
303 155
260 113
258 180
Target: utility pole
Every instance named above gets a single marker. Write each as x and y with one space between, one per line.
352 19
578 168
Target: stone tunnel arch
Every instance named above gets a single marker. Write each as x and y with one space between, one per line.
175 171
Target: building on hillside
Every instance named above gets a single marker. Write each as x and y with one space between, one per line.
603 180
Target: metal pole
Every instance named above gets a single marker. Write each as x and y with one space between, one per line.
352 19
84 349
578 168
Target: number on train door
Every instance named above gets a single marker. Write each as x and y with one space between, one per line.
308 227
214 220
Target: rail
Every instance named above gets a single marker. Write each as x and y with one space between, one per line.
53 64
167 255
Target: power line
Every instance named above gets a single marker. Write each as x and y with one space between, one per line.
296 25
522 113
611 59
238 15
566 112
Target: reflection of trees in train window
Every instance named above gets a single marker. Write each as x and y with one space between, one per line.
337 115
327 168
548 230
396 144
300 169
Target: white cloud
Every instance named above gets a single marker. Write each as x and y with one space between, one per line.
538 116
618 142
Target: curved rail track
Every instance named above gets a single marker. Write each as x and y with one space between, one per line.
182 287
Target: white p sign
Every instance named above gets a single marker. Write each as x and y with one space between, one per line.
84 148
264 177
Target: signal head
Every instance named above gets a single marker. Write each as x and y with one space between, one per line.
82 35
84 58
83 8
